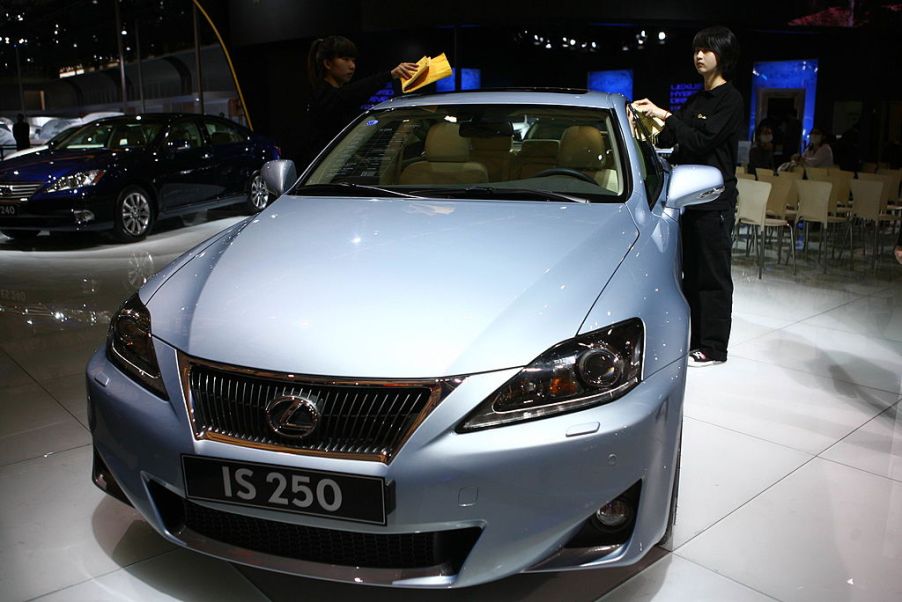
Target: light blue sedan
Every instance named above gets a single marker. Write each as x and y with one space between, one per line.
453 350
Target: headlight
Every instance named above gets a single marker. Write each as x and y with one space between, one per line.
130 346
76 180
589 370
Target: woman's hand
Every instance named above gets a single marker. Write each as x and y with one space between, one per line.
649 108
404 70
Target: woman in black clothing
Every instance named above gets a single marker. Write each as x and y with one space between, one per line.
706 131
761 155
335 101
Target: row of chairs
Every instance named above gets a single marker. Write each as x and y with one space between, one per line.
832 200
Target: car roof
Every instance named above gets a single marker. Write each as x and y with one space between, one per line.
521 96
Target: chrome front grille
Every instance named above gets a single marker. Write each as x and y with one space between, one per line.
18 191
367 420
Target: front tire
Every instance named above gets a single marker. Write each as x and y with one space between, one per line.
257 194
134 215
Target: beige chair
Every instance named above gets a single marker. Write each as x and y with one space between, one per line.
745 176
869 207
535 155
741 169
784 197
794 177
751 207
868 168
495 154
447 161
816 173
814 206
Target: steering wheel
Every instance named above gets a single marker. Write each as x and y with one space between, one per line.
565 171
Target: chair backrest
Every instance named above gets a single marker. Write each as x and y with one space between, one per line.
839 194
745 176
895 173
793 177
868 168
814 200
741 169
535 155
886 180
778 199
815 173
495 154
867 195
447 160
751 205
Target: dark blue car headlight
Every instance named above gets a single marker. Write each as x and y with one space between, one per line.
130 345
585 371
76 180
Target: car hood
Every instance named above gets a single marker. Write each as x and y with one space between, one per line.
392 288
51 164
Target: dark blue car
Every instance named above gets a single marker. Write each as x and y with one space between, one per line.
123 173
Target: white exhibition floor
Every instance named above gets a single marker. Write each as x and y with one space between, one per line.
791 469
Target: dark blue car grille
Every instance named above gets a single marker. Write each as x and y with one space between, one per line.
18 191
367 421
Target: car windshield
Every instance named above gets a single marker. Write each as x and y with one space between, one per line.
116 135
479 151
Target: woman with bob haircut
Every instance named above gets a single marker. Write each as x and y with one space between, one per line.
331 63
706 131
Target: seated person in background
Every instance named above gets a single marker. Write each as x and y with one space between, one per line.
818 153
761 155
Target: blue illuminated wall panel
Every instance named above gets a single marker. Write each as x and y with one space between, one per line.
785 74
470 79
612 81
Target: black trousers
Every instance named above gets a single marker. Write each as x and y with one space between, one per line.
707 282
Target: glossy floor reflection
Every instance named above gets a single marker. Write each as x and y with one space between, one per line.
791 469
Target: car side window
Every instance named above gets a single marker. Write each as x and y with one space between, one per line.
186 135
651 171
221 132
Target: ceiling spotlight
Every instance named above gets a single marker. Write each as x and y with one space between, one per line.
662 36
123 32
572 42
548 45
594 45
642 34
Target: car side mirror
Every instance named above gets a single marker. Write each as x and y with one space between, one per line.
693 185
279 175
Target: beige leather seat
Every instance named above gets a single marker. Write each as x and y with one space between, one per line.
495 154
447 160
583 149
535 155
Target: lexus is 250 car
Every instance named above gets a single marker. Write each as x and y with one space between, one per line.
443 356
122 174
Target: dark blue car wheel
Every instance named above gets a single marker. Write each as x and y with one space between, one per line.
134 215
257 194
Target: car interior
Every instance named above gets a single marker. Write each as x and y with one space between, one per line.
549 149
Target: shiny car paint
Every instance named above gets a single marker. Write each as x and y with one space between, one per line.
463 292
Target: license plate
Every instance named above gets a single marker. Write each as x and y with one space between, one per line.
8 209
317 493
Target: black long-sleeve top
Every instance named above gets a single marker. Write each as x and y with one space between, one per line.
706 131
331 108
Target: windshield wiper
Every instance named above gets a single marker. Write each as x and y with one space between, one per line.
478 192
349 189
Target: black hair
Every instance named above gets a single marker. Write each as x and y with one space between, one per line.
722 42
327 48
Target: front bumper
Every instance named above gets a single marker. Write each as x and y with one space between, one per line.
62 212
525 490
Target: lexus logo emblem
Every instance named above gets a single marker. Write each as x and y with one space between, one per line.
292 417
